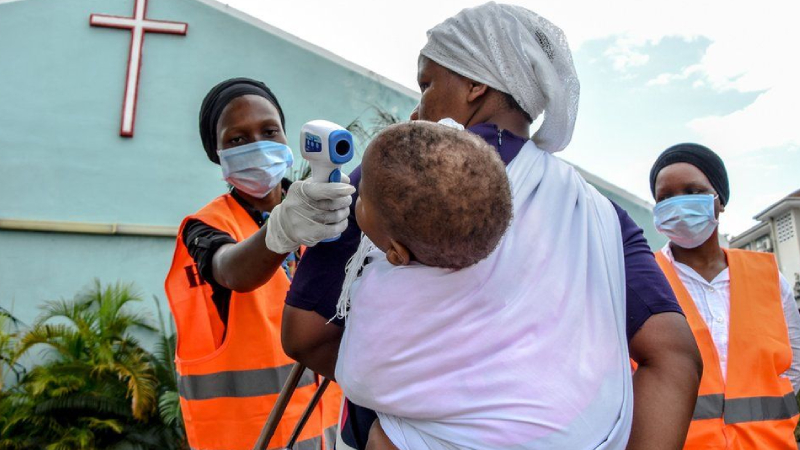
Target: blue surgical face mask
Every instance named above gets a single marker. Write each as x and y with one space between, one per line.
255 168
687 220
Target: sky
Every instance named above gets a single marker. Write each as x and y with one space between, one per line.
723 73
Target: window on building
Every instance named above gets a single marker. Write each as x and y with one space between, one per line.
785 227
797 287
763 244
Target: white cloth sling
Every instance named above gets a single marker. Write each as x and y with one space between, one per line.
525 350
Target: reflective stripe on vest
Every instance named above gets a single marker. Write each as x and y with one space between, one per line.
708 407
241 383
330 434
748 409
308 444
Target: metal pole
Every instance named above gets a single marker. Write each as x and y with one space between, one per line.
307 413
280 406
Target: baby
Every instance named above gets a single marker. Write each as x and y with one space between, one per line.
435 201
433 195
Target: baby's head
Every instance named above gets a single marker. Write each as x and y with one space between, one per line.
433 194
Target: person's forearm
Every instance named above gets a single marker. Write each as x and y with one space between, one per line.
309 339
247 265
664 398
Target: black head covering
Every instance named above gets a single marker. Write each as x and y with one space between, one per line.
218 98
701 157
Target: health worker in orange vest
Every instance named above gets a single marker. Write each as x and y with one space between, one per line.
739 306
226 285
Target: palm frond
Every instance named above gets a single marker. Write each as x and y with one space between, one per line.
56 380
65 340
169 407
142 384
11 317
104 424
71 310
166 344
85 404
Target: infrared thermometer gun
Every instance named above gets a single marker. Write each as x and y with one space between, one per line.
327 147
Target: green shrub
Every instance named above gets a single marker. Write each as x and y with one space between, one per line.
95 387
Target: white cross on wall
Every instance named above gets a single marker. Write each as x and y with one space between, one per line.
138 25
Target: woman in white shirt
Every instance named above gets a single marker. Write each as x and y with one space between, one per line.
740 308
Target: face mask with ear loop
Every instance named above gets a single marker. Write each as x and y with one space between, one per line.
256 168
687 220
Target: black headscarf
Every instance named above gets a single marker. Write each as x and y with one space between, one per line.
699 156
218 98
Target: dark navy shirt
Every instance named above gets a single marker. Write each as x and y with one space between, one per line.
318 281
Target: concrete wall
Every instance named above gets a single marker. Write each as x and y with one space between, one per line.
789 250
642 215
48 266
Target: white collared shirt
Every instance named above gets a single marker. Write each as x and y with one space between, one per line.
713 302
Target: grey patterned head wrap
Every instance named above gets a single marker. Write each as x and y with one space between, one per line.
516 51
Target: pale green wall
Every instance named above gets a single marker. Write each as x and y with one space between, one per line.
47 266
642 216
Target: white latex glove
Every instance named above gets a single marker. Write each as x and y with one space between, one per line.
448 122
311 212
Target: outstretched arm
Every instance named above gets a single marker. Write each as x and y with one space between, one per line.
310 213
247 265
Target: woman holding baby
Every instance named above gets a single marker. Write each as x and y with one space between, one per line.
529 347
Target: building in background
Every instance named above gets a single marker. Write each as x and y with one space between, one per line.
100 156
778 232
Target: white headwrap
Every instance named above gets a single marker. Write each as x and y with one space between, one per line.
516 51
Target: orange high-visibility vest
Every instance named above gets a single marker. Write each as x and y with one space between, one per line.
228 386
755 408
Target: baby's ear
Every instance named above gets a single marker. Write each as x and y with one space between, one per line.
397 253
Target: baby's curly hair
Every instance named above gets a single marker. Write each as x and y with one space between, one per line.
443 193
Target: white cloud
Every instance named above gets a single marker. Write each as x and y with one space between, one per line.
663 79
756 56
770 121
667 78
749 51
623 55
